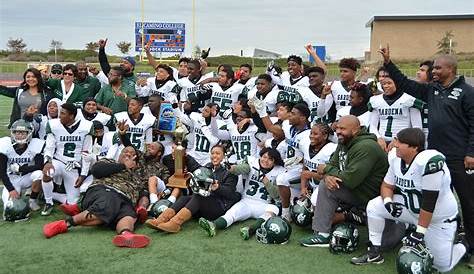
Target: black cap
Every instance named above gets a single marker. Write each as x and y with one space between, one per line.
57 67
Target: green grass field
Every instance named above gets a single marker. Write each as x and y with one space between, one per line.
23 249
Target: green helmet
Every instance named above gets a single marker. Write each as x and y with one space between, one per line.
413 260
16 210
274 231
19 126
158 207
201 179
344 238
302 212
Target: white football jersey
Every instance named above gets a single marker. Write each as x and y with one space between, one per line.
311 162
391 118
68 142
199 145
293 138
249 85
100 117
292 92
270 99
411 180
166 91
140 131
254 187
340 95
245 143
34 148
364 118
281 147
225 99
188 87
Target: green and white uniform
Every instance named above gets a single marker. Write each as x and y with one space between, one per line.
140 131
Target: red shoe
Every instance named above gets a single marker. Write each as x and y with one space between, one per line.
70 210
128 239
142 214
54 228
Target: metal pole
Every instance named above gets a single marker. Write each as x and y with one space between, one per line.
450 45
194 26
143 32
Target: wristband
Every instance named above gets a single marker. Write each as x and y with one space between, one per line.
421 229
387 200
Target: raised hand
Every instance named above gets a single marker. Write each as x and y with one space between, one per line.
102 43
385 54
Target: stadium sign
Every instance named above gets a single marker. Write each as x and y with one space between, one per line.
166 37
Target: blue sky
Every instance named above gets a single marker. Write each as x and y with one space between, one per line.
226 26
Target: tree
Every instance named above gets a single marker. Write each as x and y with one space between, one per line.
56 45
16 45
197 51
92 46
124 47
446 44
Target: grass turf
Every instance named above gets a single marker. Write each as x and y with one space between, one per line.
23 249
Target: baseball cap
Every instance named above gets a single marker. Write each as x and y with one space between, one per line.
57 68
129 59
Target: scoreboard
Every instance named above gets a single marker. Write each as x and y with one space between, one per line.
166 37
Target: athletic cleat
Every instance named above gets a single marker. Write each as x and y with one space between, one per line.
34 205
373 256
286 216
208 226
131 240
142 214
70 210
54 228
367 259
245 232
356 216
48 208
315 240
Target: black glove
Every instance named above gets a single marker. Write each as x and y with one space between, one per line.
395 209
205 53
413 239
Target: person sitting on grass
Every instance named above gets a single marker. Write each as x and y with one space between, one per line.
110 201
221 197
257 198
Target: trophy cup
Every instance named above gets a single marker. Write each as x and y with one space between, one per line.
179 178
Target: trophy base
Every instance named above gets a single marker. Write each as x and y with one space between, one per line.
178 181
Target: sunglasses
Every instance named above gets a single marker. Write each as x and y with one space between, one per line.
56 72
68 73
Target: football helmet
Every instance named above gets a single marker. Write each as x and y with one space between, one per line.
158 207
344 238
302 212
201 180
21 126
275 230
16 210
414 260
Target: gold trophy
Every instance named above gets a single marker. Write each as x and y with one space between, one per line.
179 178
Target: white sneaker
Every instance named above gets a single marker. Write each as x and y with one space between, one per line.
286 216
34 205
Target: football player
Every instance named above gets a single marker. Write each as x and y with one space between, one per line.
416 190
67 139
21 162
391 112
140 125
260 189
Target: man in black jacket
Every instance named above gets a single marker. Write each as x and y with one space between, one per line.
110 200
451 125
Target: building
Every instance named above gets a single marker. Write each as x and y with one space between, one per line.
415 37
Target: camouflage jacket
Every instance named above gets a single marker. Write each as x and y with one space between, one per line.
149 168
124 181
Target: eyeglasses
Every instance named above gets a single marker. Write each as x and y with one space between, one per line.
56 72
68 73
